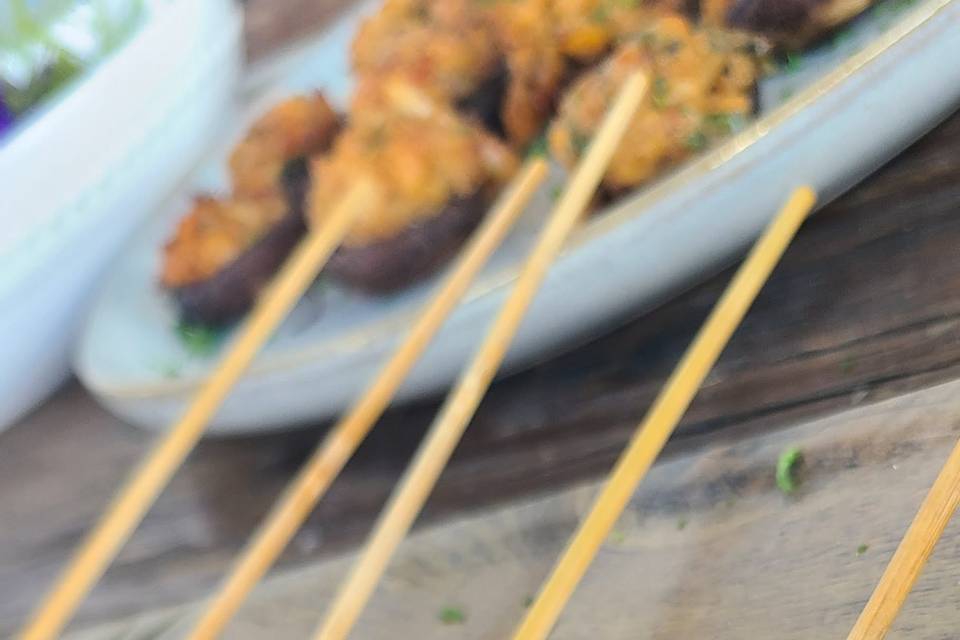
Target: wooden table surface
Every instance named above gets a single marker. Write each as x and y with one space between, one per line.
865 306
708 547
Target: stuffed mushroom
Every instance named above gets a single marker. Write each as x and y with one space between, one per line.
434 173
700 90
225 250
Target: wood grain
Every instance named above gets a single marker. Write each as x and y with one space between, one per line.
866 305
708 548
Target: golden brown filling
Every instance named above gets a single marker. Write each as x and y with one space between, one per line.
699 90
587 29
536 66
216 232
442 46
296 127
418 155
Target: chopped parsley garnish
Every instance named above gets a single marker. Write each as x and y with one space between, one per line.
696 141
862 549
452 615
579 140
672 46
794 62
681 524
648 38
887 12
556 192
527 602
197 339
661 91
600 14
842 37
786 470
617 536
539 147
724 123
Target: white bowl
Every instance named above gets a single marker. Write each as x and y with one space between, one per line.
79 177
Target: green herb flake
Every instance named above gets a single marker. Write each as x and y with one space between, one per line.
661 92
842 38
794 62
579 140
197 339
600 14
617 536
672 47
862 549
527 602
556 192
681 524
786 470
452 615
696 141
539 148
888 12
723 124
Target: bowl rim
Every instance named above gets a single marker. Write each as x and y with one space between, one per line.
40 242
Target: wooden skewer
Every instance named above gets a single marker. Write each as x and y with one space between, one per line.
912 553
663 416
148 480
328 460
448 427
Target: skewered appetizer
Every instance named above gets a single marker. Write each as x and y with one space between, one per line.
497 61
537 69
700 88
434 172
443 47
225 250
588 29
437 82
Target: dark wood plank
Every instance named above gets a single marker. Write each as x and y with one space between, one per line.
865 306
708 548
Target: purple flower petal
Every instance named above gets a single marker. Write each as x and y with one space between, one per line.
6 117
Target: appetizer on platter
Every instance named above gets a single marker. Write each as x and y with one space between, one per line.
447 92
702 87
435 173
225 250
